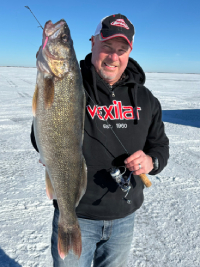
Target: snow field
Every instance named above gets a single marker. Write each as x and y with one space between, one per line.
166 226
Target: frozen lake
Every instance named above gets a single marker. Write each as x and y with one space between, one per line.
167 226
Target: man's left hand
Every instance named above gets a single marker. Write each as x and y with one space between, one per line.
139 163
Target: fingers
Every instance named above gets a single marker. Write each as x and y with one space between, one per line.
134 156
136 168
139 163
135 164
132 162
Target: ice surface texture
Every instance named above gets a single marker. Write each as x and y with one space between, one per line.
167 225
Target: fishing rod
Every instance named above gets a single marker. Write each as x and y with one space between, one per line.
34 16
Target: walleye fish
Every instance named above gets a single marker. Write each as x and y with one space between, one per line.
58 109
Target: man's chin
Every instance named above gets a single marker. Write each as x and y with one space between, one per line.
107 77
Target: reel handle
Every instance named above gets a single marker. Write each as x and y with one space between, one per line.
145 180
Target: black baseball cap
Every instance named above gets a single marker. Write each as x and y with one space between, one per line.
116 26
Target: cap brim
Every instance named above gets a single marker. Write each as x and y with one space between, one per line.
114 36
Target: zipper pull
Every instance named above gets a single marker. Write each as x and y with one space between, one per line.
113 94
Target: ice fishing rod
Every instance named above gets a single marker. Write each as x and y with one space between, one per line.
34 16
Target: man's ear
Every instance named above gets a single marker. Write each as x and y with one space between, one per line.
92 42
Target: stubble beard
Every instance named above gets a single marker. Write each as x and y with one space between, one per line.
107 77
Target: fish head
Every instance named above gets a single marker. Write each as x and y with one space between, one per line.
56 54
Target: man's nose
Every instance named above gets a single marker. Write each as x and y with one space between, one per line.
114 56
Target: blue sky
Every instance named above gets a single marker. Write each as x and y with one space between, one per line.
167 35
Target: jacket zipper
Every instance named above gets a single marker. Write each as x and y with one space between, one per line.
111 90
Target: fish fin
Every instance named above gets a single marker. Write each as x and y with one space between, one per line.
34 101
49 187
83 182
69 238
48 92
57 67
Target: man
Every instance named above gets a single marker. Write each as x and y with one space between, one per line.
124 137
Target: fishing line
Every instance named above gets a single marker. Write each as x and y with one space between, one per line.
115 172
108 126
34 16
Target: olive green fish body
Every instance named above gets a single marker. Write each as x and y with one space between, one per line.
59 107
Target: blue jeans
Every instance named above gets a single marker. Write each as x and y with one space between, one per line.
106 243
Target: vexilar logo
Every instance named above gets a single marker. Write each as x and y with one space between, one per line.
114 112
120 23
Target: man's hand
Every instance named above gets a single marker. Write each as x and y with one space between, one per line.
139 163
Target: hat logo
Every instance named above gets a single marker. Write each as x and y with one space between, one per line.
120 23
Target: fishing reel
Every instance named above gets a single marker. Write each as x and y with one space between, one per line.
122 180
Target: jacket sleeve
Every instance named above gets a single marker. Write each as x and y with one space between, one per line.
33 141
157 143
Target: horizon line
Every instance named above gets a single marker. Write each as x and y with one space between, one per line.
145 71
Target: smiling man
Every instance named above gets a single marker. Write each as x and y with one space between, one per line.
110 58
124 137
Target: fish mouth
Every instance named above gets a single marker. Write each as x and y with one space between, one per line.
50 28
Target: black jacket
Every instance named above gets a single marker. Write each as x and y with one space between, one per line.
135 116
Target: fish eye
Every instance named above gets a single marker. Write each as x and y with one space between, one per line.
64 37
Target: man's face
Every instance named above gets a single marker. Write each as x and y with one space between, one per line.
110 58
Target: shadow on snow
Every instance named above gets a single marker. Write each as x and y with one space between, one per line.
6 261
190 117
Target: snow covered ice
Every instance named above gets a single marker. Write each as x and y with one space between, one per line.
167 225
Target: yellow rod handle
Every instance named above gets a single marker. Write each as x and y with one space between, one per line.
145 180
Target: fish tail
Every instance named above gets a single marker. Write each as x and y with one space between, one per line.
69 239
